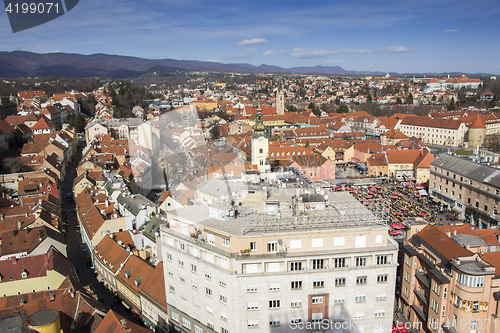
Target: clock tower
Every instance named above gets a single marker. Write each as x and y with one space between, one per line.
260 148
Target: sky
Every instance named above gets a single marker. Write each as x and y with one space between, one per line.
383 35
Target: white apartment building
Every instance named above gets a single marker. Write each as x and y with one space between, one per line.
334 268
434 131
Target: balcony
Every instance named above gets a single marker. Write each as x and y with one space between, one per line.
422 297
420 312
422 278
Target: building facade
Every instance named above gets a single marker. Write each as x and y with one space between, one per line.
241 275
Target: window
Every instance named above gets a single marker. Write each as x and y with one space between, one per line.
296 266
296 320
317 242
274 323
208 275
273 267
252 287
169 256
475 306
274 304
319 284
225 241
194 284
361 280
436 288
193 268
186 323
274 286
182 278
253 323
210 309
172 289
318 263
340 300
379 313
272 247
360 261
434 305
382 260
208 291
222 282
175 316
382 278
252 306
340 282
470 281
317 300
181 263
170 272
211 239
223 315
198 329
445 292
223 299
316 317
296 304
339 262
182 246
296 284
253 246
338 241
360 298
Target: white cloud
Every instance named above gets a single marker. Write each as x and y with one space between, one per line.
396 49
253 41
450 30
250 49
271 52
314 53
333 61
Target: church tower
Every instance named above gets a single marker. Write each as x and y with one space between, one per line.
260 146
280 99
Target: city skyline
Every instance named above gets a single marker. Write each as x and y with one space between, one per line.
421 36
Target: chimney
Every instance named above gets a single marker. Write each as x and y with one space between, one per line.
448 233
1 216
454 232
14 260
19 225
72 294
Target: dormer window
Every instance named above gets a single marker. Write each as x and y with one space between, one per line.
24 274
138 281
128 274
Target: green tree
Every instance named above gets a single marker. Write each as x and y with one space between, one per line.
342 109
451 105
399 101
409 99
307 144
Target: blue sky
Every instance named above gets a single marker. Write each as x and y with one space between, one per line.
383 35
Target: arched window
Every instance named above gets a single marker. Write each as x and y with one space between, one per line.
261 151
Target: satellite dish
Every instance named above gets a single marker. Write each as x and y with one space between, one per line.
280 241
326 197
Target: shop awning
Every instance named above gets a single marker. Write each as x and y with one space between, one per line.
422 192
455 209
436 200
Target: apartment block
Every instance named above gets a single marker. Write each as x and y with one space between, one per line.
450 279
249 271
434 131
471 189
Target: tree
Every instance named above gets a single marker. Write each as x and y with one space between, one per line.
369 99
342 109
399 101
307 144
215 132
409 99
451 105
344 136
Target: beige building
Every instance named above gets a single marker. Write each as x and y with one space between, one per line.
275 273
449 281
434 131
469 188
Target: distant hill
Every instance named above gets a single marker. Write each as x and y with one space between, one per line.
21 63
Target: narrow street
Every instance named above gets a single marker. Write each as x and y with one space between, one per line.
76 254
